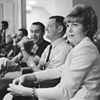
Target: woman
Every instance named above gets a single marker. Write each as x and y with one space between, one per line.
80 75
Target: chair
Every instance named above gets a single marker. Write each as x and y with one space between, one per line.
97 43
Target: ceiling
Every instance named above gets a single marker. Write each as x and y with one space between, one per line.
48 5
3 1
41 3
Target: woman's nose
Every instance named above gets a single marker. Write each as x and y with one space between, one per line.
70 30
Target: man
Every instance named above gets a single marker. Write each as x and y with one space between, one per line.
6 35
15 50
37 31
60 49
4 62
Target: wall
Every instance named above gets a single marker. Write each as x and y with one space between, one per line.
63 7
14 11
1 12
10 13
37 14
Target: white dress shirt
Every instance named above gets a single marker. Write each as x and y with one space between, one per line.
9 35
60 50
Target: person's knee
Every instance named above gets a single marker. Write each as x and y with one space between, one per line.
8 97
3 91
4 84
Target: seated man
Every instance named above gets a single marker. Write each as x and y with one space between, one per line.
4 61
6 38
50 59
15 50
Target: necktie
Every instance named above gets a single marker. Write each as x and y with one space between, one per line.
4 36
49 53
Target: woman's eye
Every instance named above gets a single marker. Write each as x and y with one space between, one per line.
74 24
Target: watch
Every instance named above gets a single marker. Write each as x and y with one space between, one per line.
22 48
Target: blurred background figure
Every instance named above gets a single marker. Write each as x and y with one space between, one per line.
15 50
6 38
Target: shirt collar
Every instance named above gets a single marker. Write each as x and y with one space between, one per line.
56 42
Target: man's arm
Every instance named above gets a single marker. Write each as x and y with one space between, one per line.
17 58
24 52
29 59
2 45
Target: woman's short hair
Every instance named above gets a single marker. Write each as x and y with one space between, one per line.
84 14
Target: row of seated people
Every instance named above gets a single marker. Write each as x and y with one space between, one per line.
9 40
77 69
38 60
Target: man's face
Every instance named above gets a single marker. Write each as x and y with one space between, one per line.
51 29
1 26
36 33
20 35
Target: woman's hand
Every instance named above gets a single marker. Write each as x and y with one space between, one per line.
24 78
19 90
19 80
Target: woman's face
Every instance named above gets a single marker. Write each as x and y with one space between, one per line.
75 32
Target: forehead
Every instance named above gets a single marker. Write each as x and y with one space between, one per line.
35 27
72 20
19 33
51 21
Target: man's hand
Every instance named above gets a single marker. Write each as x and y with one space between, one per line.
23 41
26 43
15 41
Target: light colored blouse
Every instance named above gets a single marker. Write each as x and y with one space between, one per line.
80 75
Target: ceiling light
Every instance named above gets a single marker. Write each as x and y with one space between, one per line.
31 2
28 7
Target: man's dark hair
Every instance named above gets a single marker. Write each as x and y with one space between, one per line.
5 24
59 21
24 31
40 24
